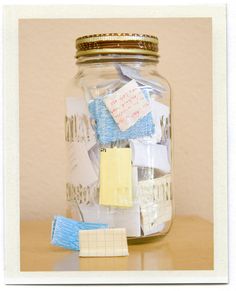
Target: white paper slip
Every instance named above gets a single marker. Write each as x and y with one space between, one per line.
154 215
133 73
94 155
150 155
127 105
129 219
77 125
154 190
81 194
135 183
80 169
95 212
103 243
155 203
161 119
104 88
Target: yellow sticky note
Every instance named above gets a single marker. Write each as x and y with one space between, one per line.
115 177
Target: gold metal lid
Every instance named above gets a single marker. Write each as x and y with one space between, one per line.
117 43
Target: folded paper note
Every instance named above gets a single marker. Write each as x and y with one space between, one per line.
115 177
95 212
133 73
129 219
155 203
65 232
132 214
154 190
81 194
114 217
80 168
77 122
127 105
103 243
150 155
154 215
161 119
94 155
107 129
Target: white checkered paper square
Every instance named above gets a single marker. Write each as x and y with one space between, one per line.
103 243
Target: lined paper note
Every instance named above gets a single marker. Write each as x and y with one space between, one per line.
115 177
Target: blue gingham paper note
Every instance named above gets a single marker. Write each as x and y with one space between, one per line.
107 129
65 232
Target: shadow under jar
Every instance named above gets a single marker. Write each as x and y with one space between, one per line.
118 136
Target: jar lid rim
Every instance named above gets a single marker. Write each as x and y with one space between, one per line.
121 43
116 37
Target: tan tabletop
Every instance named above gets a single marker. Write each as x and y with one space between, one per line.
188 246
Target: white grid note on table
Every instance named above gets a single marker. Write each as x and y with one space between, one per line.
103 242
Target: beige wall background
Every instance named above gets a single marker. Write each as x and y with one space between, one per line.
46 57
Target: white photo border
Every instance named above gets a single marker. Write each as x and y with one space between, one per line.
13 275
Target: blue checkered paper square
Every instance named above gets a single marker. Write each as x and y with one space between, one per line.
65 232
107 129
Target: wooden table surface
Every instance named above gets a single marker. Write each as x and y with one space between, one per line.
188 246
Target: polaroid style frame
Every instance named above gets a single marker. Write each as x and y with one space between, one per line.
11 145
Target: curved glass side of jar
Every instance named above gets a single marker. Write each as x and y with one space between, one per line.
110 158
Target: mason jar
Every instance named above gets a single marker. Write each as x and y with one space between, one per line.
118 135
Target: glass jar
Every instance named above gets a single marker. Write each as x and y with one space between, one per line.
118 135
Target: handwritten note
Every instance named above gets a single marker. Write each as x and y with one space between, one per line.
127 105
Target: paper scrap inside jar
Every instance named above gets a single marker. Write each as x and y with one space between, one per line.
133 73
115 177
155 203
80 170
77 124
150 155
127 105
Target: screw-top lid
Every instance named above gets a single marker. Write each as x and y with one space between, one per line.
117 43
